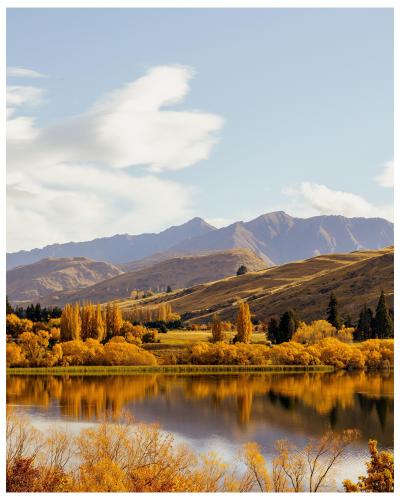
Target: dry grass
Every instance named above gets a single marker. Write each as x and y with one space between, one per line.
184 337
356 278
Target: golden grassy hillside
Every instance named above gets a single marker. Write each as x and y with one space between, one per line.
356 278
178 272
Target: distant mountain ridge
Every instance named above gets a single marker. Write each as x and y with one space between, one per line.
51 275
115 249
275 237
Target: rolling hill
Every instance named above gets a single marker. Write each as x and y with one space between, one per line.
356 278
179 272
276 238
31 282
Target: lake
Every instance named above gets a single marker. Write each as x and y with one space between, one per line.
221 412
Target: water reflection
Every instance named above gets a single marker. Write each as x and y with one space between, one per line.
240 406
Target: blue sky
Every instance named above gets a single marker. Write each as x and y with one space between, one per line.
276 109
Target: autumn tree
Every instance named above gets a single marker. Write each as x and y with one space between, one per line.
99 325
333 315
243 323
70 323
216 329
380 473
383 324
113 320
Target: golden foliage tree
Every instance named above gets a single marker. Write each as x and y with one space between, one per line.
70 323
218 334
380 473
243 323
113 320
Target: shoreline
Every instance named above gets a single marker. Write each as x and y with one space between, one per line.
173 369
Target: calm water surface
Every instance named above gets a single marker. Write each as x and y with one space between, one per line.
221 412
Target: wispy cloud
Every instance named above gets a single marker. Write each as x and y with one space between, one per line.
386 177
76 174
314 199
19 72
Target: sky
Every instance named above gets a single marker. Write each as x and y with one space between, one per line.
133 120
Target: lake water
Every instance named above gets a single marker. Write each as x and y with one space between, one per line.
221 412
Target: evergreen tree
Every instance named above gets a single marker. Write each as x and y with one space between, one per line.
272 332
364 329
348 323
333 316
169 289
9 309
287 326
242 270
243 323
383 324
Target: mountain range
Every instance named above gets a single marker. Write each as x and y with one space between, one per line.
276 238
177 273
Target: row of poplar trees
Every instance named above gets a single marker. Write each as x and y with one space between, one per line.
81 322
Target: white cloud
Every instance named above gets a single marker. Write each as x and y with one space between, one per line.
317 199
68 202
22 95
23 73
68 182
130 126
386 177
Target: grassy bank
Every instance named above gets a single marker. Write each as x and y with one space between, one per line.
203 369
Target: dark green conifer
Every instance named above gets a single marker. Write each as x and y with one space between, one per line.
383 324
333 313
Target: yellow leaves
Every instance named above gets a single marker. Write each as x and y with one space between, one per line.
70 323
380 473
14 355
123 456
256 466
15 326
243 323
317 330
102 476
121 352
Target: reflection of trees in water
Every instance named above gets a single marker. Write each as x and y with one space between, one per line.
331 395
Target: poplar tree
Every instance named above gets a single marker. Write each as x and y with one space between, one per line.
333 316
216 329
70 323
383 324
243 323
100 327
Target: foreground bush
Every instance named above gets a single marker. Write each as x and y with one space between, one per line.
121 457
